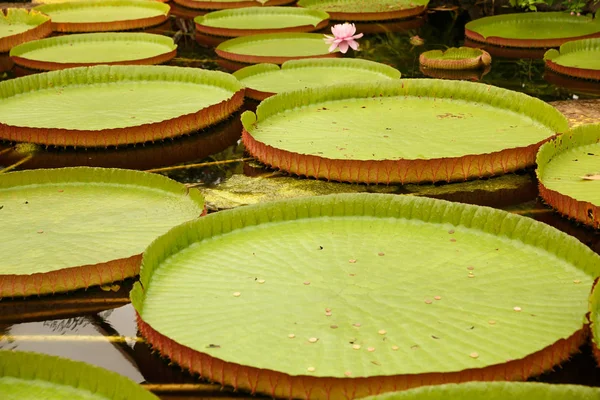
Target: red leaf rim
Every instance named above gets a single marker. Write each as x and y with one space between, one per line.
281 385
584 73
37 32
524 43
582 211
120 136
53 66
376 16
394 171
231 32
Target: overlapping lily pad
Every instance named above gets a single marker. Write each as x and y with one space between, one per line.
114 105
225 4
532 30
105 15
367 10
18 25
264 80
275 48
257 20
94 48
407 131
461 58
579 58
25 375
569 174
70 228
347 287
495 391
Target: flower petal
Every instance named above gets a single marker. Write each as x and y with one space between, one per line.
353 44
343 47
357 36
333 47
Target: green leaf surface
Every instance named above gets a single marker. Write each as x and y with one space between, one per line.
583 53
564 163
350 283
19 20
595 320
261 18
405 119
495 391
361 6
95 48
540 25
32 376
277 44
300 74
103 10
61 218
105 97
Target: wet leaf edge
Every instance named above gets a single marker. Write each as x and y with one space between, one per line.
41 27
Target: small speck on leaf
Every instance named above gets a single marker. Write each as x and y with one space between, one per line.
213 346
474 355
236 294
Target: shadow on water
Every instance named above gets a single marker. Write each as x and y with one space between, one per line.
98 325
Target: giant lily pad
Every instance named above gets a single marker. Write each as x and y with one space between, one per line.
569 174
94 48
579 58
542 29
367 10
495 391
460 58
343 296
256 20
105 15
264 80
275 48
18 25
25 375
71 228
224 4
114 105
406 131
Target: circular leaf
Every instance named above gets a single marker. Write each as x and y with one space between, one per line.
302 291
579 58
113 105
18 25
569 174
264 80
460 58
367 10
382 132
224 4
94 48
71 228
532 30
25 375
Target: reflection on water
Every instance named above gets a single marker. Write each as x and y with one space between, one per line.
98 325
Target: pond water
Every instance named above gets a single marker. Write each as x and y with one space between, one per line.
98 325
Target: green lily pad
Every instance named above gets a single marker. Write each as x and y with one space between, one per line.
94 48
569 174
264 80
32 376
579 58
367 10
256 20
532 30
225 4
495 391
104 15
114 105
275 48
347 286
71 228
18 25
406 131
460 58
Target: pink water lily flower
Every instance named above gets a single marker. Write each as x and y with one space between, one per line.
343 37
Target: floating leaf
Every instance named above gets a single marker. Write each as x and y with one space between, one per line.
406 131
288 272
224 4
565 167
18 25
72 228
579 58
460 58
532 30
94 48
255 20
367 10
